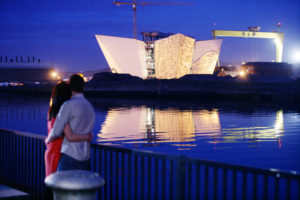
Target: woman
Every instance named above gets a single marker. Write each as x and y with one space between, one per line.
60 94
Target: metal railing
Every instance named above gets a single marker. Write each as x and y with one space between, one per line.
135 174
22 161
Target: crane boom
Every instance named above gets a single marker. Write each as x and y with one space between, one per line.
144 3
278 38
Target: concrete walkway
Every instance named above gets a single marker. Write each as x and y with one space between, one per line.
11 193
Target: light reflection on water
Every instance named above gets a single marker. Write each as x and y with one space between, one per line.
238 134
259 139
150 125
256 134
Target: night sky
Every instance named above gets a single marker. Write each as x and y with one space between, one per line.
62 32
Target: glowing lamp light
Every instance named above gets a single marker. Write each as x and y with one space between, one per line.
54 74
242 73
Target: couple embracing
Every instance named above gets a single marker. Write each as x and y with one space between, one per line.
71 120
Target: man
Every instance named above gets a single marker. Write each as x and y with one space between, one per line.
80 115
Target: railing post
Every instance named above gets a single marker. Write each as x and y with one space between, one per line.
180 178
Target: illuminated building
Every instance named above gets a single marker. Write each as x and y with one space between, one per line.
161 56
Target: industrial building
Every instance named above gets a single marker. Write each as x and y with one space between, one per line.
162 56
268 69
27 74
20 70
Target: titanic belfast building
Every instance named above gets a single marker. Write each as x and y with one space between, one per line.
160 55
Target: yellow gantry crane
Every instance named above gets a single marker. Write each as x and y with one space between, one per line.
253 33
144 3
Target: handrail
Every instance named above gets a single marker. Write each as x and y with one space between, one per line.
22 133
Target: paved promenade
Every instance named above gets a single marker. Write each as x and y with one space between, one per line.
11 193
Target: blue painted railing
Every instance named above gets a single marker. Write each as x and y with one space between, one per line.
135 174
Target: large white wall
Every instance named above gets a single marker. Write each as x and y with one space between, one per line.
206 54
124 55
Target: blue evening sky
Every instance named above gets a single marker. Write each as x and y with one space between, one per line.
63 31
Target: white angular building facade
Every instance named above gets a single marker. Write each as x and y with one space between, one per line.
174 56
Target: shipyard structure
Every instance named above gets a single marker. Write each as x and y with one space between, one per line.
160 55
16 71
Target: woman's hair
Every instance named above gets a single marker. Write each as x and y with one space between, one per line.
60 93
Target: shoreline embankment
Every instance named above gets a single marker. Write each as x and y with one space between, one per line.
189 87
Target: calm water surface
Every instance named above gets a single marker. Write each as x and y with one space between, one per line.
252 135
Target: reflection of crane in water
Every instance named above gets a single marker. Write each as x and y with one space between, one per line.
144 3
150 126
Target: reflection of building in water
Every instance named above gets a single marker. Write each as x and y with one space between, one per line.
129 124
124 124
256 134
207 123
150 126
175 125
155 125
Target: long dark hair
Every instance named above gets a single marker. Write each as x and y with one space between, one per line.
60 93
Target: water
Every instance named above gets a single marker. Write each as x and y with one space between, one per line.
264 136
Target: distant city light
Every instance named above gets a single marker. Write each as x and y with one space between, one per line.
296 56
80 74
